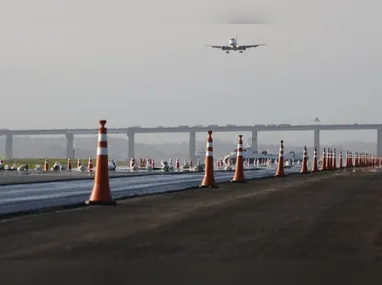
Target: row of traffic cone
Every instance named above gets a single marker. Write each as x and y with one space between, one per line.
69 164
101 193
329 160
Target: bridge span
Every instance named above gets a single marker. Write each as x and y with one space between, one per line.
192 130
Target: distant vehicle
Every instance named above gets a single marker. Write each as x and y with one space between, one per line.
250 156
234 46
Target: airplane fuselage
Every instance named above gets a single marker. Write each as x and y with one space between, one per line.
234 46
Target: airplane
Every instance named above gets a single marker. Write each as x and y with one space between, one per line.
233 46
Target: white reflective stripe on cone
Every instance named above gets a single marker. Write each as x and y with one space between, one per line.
101 150
102 137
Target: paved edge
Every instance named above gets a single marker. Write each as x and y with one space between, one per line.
111 176
65 178
82 204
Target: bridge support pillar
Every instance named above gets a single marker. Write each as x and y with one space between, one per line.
69 146
131 144
192 146
254 144
379 142
9 146
317 141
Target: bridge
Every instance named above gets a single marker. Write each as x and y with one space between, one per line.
192 130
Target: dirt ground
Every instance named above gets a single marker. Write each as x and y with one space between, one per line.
276 226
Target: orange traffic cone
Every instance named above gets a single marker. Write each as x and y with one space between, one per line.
351 159
280 165
329 160
315 166
209 178
304 167
69 165
334 164
46 165
340 162
239 170
90 164
101 194
347 159
323 161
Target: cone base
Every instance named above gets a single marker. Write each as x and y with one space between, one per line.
238 181
106 203
208 186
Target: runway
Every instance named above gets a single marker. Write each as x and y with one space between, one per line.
37 193
300 227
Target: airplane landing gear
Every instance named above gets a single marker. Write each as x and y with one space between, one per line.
241 51
227 52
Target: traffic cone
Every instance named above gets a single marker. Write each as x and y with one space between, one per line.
356 159
323 161
280 165
209 178
239 169
304 167
177 163
350 159
347 159
334 164
101 194
46 165
340 162
69 165
90 164
329 160
315 166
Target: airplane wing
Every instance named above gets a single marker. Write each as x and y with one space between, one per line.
221 47
251 46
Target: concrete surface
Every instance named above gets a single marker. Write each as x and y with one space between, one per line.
292 225
13 177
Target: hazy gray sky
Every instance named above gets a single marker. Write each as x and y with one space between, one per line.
67 64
